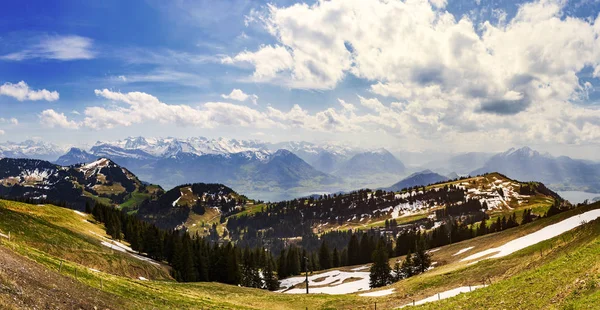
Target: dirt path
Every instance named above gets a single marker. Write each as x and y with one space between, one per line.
25 284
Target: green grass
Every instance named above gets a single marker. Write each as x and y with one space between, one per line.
559 273
64 234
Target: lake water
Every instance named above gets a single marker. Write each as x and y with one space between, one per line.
577 196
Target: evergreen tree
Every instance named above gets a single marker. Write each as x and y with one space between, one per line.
282 271
324 256
407 267
422 259
336 258
271 281
353 251
380 270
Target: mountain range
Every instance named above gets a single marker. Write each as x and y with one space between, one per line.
262 170
278 171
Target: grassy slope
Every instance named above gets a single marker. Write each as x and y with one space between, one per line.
64 234
565 274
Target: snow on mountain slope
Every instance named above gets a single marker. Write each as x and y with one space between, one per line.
31 149
168 147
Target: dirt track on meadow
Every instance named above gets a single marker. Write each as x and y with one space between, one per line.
25 284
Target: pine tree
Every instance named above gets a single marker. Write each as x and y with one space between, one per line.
336 258
324 256
407 267
422 259
282 271
271 281
353 251
293 261
380 270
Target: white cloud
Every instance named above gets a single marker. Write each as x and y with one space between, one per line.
12 121
21 92
451 77
239 95
70 47
1 132
141 107
51 118
163 76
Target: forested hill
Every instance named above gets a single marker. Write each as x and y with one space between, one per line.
469 199
191 205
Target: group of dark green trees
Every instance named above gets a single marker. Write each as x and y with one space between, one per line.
193 259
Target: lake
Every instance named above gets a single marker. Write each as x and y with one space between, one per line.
577 196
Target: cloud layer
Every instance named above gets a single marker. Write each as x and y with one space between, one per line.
64 48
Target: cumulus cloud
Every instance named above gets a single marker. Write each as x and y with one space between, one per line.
446 74
1 132
141 107
22 92
50 118
239 95
64 48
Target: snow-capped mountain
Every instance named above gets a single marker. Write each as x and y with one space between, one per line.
246 165
168 147
326 157
560 173
73 185
31 149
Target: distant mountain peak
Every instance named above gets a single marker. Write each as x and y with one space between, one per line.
523 151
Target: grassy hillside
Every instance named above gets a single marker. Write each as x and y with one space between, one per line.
558 273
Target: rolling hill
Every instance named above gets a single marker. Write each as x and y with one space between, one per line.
58 261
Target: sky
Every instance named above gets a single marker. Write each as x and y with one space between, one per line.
411 75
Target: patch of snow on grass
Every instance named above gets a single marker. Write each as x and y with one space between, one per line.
361 268
331 283
378 293
444 295
80 213
143 279
545 233
177 200
462 251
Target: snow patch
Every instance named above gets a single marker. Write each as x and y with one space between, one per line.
378 293
462 251
444 295
330 283
545 233
80 213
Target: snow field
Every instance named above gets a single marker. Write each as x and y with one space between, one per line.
545 233
330 282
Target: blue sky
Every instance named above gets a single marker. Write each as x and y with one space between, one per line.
407 75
